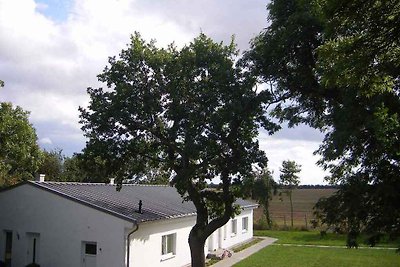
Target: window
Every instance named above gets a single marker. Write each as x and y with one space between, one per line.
91 249
245 224
234 227
168 244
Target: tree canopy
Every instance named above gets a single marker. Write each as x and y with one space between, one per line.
19 152
288 177
52 164
191 113
337 64
262 186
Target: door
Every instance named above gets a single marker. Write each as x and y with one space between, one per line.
8 252
33 248
89 253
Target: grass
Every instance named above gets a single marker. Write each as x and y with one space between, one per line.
304 238
288 256
246 245
314 238
278 256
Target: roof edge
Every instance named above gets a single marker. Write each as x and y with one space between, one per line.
110 212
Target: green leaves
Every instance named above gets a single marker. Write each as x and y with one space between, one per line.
288 176
338 67
19 152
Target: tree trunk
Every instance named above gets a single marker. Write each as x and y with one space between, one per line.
266 213
196 244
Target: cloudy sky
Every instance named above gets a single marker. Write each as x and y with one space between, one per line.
52 50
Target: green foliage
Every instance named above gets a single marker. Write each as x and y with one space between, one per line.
19 152
288 177
262 187
73 171
192 114
52 164
337 63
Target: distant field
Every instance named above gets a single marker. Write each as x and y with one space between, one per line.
303 203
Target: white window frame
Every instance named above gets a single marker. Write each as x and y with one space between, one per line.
245 224
234 227
168 249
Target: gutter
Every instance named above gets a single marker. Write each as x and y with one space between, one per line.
128 252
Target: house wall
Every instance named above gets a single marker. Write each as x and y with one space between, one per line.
145 244
230 240
62 224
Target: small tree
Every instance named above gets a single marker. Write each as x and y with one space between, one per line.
263 188
191 113
289 180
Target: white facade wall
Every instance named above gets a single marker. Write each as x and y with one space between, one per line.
62 225
147 241
223 237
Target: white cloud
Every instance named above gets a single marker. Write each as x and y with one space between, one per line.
45 141
300 151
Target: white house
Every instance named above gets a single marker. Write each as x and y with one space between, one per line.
80 224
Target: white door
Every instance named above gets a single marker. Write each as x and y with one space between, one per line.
33 245
89 253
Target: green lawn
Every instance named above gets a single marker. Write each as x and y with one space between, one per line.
288 256
314 238
279 256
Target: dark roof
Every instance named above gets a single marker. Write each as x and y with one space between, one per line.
159 202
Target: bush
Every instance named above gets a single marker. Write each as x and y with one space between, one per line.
351 241
261 224
373 239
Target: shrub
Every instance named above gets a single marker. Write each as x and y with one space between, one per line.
322 233
351 241
261 224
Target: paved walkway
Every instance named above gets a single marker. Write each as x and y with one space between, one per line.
236 257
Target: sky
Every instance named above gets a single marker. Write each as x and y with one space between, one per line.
51 51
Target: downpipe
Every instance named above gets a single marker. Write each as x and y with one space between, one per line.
128 243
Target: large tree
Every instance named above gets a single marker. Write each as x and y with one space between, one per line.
191 113
289 180
19 152
338 64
